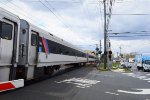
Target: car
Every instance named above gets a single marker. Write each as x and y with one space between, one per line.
122 64
130 64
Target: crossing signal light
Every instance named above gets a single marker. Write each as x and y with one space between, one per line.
100 52
105 52
97 49
110 54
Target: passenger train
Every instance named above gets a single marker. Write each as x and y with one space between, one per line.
28 52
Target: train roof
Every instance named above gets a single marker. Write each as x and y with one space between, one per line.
8 15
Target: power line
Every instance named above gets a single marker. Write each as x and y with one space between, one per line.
101 13
132 14
129 33
57 14
20 13
132 36
54 14
29 14
61 1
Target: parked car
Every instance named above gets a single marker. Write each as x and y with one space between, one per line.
128 64
146 65
122 64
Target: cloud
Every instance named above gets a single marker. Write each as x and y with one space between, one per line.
131 23
79 21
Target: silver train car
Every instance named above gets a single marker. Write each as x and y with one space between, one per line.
28 52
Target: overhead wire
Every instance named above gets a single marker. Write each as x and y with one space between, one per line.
33 17
55 15
131 36
15 10
60 15
132 14
61 1
101 14
28 17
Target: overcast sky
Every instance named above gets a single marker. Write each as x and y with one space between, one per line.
80 22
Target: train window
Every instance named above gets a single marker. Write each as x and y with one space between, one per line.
83 55
73 54
6 31
41 47
67 52
60 51
33 39
54 49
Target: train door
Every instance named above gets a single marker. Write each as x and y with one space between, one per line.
6 48
6 42
32 54
33 48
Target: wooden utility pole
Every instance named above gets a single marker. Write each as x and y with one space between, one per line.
100 51
105 37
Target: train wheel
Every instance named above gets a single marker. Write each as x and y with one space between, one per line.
57 67
49 70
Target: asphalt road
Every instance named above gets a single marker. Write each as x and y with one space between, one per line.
87 83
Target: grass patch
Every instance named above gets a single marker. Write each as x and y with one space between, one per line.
127 69
114 67
101 67
116 64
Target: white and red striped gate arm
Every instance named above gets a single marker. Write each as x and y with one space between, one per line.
9 85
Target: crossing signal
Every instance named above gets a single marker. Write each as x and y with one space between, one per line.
97 49
100 52
110 54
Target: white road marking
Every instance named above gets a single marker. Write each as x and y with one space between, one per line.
80 87
137 76
80 82
141 77
128 73
111 93
147 79
139 91
148 74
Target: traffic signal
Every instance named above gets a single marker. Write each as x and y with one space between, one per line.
121 55
97 49
100 52
110 54
105 52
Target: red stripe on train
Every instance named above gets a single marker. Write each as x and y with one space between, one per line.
6 86
44 44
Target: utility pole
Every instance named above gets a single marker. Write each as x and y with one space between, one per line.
97 50
120 50
100 47
100 51
105 37
117 55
